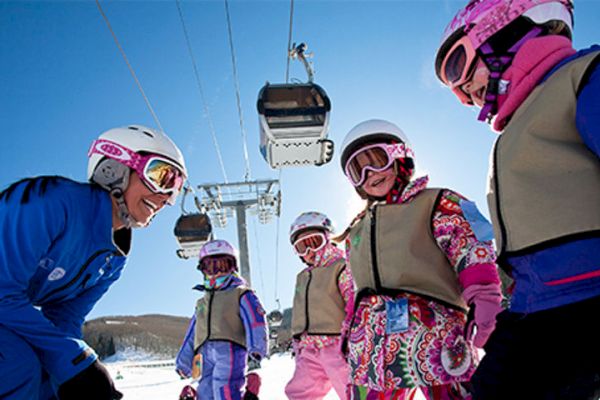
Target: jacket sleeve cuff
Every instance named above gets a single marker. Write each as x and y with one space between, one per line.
71 363
480 274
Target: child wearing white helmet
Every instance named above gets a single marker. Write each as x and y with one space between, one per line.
421 259
64 243
515 60
324 292
227 329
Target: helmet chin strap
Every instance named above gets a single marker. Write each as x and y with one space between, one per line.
114 177
122 210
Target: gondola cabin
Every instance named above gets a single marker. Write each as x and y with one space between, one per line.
192 231
293 121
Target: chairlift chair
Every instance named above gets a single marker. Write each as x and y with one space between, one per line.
192 232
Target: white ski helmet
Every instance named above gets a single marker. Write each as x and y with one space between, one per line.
138 139
113 174
310 220
371 131
218 247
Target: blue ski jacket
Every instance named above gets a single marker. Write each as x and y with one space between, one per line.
57 259
568 272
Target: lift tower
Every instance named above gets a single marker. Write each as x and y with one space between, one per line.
220 200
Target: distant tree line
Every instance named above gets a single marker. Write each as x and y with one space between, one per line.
158 334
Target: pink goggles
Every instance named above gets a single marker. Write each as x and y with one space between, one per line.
313 242
458 67
158 173
219 264
375 157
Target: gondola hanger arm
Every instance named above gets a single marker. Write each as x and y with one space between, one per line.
299 52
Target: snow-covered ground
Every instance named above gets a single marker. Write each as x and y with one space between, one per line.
148 379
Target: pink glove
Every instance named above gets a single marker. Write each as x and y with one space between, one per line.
253 382
484 301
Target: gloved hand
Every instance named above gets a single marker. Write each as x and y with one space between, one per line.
187 393
253 383
93 383
485 303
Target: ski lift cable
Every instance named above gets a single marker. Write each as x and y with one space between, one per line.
201 90
258 259
289 44
277 248
237 93
137 81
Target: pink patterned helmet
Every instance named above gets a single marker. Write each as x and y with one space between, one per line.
310 220
468 36
216 248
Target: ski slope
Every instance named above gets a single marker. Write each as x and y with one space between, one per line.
156 380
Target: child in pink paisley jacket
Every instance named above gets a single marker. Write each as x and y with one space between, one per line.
422 260
324 292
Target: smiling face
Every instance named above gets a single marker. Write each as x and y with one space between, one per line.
141 202
476 87
379 184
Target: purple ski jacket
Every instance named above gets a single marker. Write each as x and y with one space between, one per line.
253 318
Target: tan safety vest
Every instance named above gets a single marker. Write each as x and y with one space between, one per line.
318 304
544 183
393 250
218 317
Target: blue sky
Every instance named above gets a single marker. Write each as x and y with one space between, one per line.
63 82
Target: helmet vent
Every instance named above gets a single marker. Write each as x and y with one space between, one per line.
148 134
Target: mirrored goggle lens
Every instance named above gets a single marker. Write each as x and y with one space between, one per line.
374 157
312 242
163 175
215 265
456 63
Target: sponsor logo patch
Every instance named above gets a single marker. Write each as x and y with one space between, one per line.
56 274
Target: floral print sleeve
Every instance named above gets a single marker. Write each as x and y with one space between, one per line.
346 285
455 235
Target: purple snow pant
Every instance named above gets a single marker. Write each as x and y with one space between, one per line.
317 371
223 371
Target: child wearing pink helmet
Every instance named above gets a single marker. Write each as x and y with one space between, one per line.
228 327
324 292
515 60
427 286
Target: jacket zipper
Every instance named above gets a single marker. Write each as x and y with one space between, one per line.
497 198
306 302
76 278
376 277
210 300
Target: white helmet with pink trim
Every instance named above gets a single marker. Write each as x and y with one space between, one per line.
478 24
310 220
139 139
155 158
218 247
369 131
